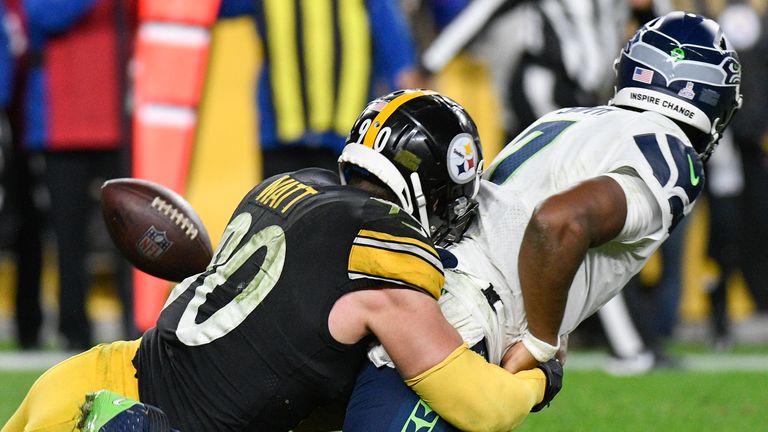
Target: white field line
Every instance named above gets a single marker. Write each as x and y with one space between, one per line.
31 360
26 361
714 362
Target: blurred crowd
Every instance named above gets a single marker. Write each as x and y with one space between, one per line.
66 116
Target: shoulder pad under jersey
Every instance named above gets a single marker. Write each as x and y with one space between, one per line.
392 246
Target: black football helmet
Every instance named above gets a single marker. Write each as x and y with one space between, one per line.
426 149
682 66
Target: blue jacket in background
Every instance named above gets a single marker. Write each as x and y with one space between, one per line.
6 64
74 92
45 19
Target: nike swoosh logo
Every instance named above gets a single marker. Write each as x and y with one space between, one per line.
421 231
694 178
118 402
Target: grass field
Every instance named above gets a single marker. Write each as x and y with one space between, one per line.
13 387
659 401
594 401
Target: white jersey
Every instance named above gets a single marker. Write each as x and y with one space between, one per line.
648 155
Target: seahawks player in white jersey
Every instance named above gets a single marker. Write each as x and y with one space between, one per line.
575 205
603 187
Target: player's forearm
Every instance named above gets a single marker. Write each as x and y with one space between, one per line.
553 247
474 395
555 244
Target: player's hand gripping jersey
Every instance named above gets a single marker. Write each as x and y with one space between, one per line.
245 345
646 153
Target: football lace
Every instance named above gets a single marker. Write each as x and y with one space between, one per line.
176 216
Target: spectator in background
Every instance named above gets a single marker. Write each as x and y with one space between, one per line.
725 183
6 90
22 223
427 18
74 116
738 178
543 54
654 309
747 24
322 63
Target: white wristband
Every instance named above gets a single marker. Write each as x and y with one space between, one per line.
539 349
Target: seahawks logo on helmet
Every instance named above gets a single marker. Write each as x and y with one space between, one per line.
692 74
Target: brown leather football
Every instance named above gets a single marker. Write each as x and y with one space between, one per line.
156 229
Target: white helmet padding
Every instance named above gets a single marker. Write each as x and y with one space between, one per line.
383 169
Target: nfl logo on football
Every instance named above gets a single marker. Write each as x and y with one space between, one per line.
153 243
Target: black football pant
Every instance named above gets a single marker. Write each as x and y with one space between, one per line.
73 179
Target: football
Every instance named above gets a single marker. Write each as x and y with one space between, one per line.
156 229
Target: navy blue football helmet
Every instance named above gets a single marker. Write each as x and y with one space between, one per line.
426 149
682 66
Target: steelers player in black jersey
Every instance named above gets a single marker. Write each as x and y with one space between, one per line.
310 270
267 319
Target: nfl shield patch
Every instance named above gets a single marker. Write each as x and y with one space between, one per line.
153 243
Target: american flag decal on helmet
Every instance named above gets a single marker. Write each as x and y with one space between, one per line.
642 75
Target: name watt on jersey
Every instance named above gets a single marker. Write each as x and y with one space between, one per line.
276 193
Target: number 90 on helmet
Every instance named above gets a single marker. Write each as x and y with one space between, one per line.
682 66
425 148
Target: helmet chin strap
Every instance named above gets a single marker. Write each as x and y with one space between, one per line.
421 201
714 137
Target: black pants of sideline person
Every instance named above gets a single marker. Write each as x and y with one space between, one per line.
73 179
27 247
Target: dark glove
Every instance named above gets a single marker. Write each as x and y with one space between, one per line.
553 370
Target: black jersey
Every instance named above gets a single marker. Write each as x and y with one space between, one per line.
245 345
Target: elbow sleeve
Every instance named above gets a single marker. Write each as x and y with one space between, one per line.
474 395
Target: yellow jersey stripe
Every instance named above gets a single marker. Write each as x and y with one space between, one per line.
401 247
317 16
395 266
383 115
378 235
284 68
355 68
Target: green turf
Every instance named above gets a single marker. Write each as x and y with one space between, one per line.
683 348
659 401
13 387
593 401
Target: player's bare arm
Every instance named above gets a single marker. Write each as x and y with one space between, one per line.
556 240
432 358
394 315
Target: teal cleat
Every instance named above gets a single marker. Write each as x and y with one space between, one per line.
105 411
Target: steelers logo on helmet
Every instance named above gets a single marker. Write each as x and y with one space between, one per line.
462 157
425 148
